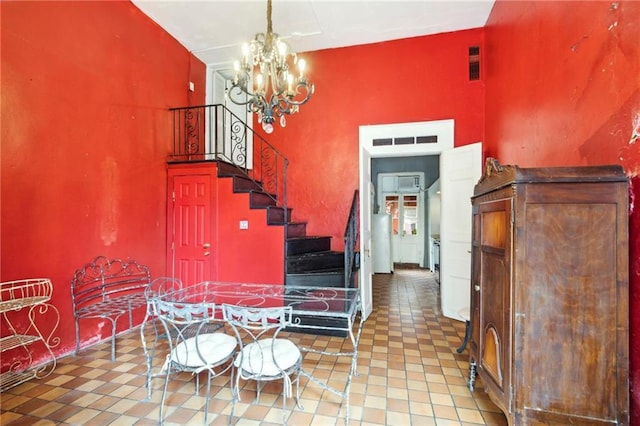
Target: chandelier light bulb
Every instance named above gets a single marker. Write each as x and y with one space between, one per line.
289 83
267 127
282 48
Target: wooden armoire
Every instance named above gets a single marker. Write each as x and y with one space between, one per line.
549 293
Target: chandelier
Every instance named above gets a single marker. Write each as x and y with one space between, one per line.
266 81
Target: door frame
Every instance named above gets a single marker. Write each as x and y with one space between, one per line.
419 193
443 129
217 95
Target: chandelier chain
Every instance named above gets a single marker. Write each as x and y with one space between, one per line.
269 24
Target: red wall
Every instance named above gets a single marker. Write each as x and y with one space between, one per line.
417 79
85 92
563 88
254 255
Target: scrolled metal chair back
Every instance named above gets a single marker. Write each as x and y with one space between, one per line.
194 346
263 356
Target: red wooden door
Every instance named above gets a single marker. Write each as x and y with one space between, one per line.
190 245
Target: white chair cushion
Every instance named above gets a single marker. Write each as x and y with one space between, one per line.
208 349
285 351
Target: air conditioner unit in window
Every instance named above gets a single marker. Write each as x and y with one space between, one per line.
409 183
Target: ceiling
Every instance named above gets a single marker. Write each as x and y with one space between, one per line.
214 30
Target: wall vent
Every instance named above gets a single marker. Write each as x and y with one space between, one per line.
383 142
427 139
474 63
405 140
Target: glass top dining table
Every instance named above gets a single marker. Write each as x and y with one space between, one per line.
331 303
324 310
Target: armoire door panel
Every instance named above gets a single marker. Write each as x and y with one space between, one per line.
494 306
574 325
495 229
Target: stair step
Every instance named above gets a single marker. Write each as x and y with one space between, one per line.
331 326
324 278
328 326
244 184
228 170
307 244
260 200
275 215
317 261
296 229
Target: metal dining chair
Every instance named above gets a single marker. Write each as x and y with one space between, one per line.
150 339
192 347
262 355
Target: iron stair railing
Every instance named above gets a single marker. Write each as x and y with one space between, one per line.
351 235
214 133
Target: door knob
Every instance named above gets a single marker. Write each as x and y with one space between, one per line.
206 245
206 253
476 287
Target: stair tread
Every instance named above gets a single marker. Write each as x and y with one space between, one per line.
315 254
332 271
308 237
257 192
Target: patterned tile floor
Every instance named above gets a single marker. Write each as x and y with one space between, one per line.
408 374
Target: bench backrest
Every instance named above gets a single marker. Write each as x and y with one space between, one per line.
105 278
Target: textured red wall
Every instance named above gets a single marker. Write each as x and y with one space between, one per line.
416 79
253 255
563 88
85 92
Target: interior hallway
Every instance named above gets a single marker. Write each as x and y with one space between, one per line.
408 374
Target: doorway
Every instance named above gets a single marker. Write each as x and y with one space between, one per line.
401 197
233 144
409 139
406 235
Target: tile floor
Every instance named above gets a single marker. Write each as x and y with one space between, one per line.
408 374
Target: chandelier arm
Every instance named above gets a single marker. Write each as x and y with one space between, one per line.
309 89
230 95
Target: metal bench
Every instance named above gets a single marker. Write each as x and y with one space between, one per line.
107 289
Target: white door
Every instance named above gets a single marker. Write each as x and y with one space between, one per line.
433 228
460 170
407 234
233 142
366 209
381 243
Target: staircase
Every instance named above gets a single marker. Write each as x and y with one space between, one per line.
309 260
